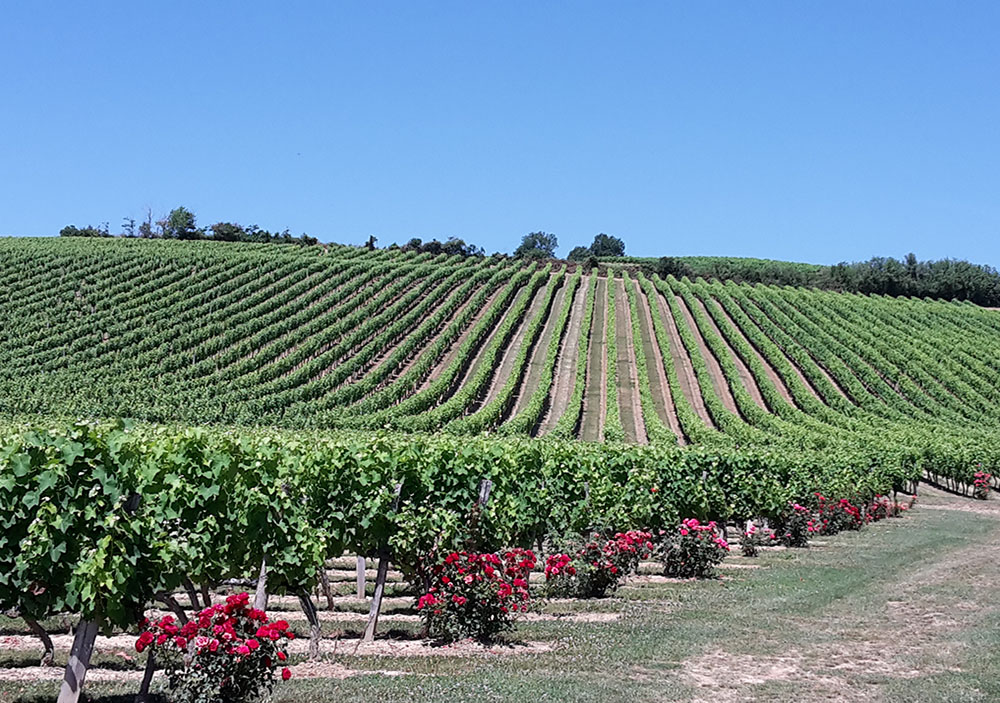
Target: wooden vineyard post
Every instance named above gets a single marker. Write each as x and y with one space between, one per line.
361 578
383 570
79 660
260 597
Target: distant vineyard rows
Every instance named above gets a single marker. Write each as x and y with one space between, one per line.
345 338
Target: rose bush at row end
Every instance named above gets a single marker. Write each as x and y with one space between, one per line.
229 653
476 595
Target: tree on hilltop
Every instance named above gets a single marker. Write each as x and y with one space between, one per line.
537 245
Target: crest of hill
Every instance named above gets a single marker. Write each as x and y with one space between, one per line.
944 279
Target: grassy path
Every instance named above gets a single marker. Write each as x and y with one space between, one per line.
904 611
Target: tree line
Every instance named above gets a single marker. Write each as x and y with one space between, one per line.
180 223
947 279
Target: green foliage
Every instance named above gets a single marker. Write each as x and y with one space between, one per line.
537 245
88 231
180 224
606 245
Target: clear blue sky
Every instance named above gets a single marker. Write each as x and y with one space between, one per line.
808 131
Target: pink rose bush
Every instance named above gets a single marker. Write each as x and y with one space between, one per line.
752 540
598 566
476 595
981 485
882 507
228 653
694 551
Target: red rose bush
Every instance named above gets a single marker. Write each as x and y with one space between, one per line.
227 654
476 595
981 485
597 567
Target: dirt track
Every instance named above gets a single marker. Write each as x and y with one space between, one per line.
772 375
659 386
537 362
746 377
681 361
629 404
509 355
718 378
592 420
564 378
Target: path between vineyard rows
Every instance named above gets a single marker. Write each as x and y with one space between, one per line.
905 610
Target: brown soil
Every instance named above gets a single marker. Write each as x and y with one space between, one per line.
255 351
592 420
798 371
452 352
629 404
424 285
564 378
772 375
509 355
662 400
446 292
681 361
746 377
477 359
537 362
714 369
286 348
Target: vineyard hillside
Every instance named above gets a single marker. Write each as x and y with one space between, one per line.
346 338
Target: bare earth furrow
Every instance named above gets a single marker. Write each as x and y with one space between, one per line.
746 377
452 352
506 365
819 366
431 340
592 417
681 361
772 375
629 407
538 354
663 402
564 379
714 369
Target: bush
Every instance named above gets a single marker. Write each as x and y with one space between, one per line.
477 595
837 516
694 551
796 526
981 485
753 539
227 655
596 568
883 507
